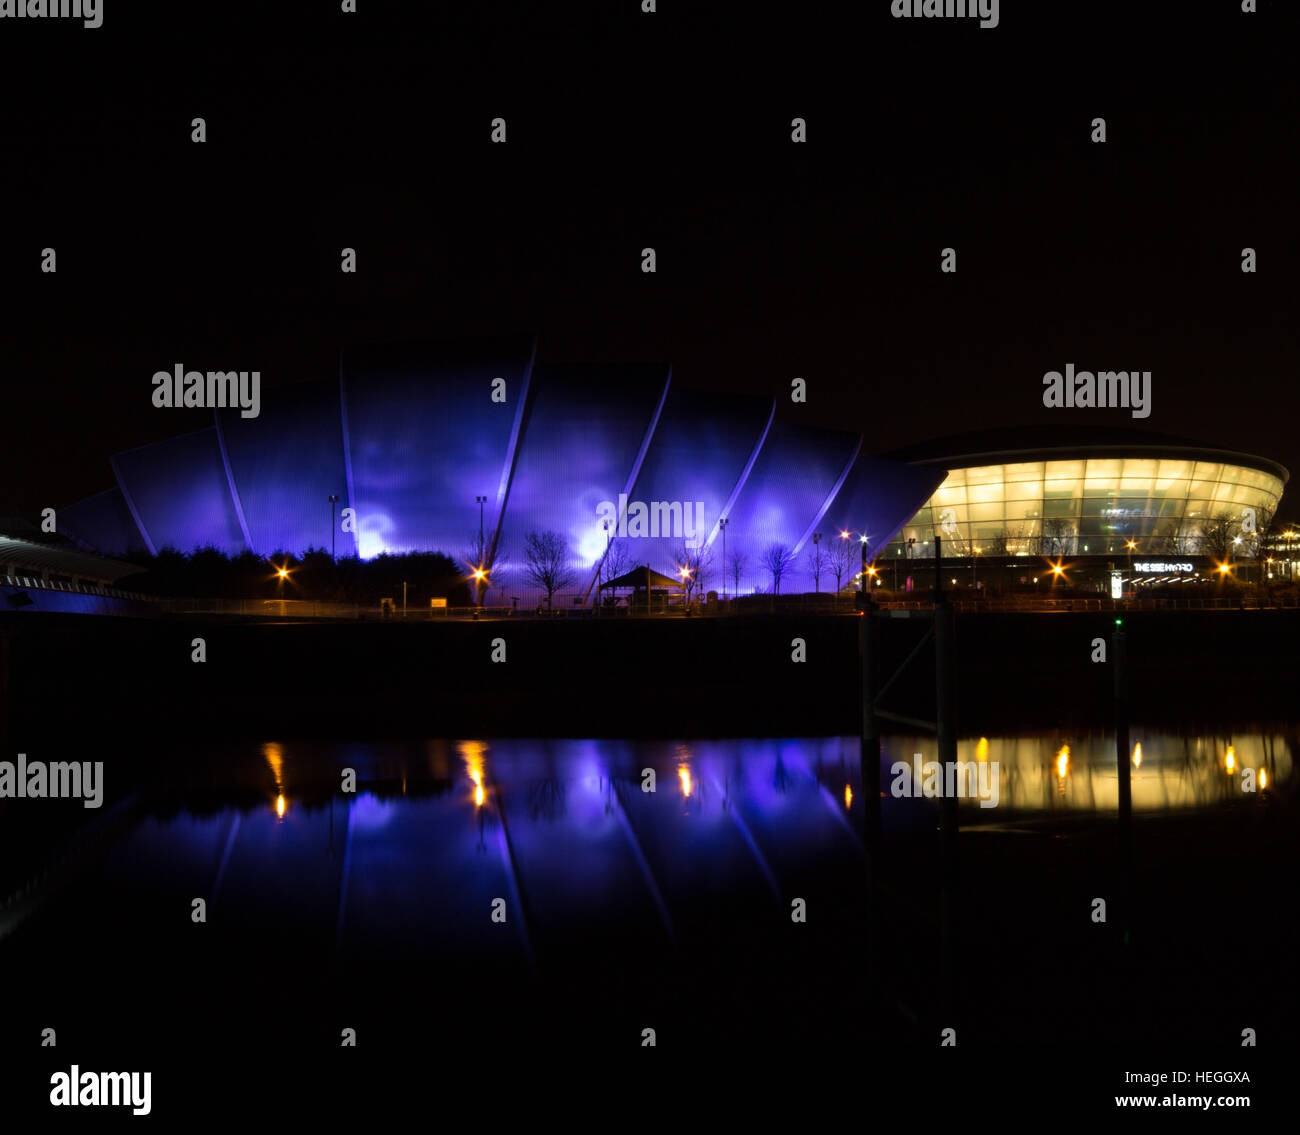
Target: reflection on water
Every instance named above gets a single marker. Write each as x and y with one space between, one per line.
645 836
1168 771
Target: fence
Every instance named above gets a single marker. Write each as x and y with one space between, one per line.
36 583
746 605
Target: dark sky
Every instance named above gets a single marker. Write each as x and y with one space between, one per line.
670 130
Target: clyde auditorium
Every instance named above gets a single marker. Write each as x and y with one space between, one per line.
410 440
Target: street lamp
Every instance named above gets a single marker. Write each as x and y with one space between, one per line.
333 501
817 575
722 525
482 551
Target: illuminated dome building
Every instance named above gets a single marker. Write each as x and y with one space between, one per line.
424 448
1172 508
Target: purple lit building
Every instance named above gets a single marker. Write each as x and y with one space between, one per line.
410 439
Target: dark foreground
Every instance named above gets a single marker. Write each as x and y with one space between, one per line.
621 678
1050 1008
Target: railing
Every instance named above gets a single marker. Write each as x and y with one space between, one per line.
1191 603
746 605
36 583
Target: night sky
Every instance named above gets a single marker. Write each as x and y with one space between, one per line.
670 130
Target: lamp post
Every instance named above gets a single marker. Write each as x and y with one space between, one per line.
333 501
817 552
722 525
482 551
974 560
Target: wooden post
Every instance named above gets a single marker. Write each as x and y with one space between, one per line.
946 728
1119 662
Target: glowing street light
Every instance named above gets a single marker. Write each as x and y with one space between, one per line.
480 500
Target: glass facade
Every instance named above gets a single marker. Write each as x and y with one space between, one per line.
1089 506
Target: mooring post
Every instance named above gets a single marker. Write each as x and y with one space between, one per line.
946 728
1119 662
870 750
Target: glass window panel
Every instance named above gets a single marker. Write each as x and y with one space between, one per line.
986 511
984 494
984 475
1176 469
1207 471
1107 467
1140 467
1057 488
1063 470
1241 476
955 479
1026 471
945 496
1024 490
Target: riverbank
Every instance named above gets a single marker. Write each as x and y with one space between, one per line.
81 678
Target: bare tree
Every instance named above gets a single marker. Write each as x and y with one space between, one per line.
1217 535
839 557
1057 531
1260 545
481 556
1187 542
615 561
737 569
691 563
818 561
997 544
546 562
777 559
